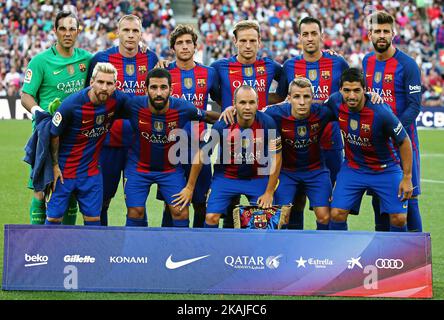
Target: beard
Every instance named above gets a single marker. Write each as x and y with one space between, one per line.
381 49
157 104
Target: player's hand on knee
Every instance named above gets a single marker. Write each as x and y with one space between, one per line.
57 175
183 198
405 189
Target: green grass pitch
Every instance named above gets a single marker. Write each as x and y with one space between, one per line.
15 199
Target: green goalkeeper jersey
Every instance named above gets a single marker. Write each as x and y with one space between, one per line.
50 75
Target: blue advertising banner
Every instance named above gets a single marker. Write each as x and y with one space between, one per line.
431 117
276 262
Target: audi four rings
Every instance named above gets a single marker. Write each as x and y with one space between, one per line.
389 264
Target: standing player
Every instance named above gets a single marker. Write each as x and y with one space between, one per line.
246 148
397 79
371 161
154 120
77 133
132 66
246 68
193 82
55 73
324 70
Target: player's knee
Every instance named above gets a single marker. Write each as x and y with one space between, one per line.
39 195
398 220
212 218
136 213
322 214
91 219
338 215
179 215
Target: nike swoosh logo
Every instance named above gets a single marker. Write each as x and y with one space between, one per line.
143 122
57 72
368 75
233 71
340 119
170 264
86 121
286 130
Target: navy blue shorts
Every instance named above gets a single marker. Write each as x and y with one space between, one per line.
112 162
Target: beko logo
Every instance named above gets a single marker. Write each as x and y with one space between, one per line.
128 260
37 260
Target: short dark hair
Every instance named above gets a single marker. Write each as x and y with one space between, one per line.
308 20
244 87
180 30
380 17
64 14
158 73
352 75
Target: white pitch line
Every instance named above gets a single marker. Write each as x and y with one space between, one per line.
432 155
432 181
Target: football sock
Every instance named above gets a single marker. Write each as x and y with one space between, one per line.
91 223
398 229
414 221
214 226
296 220
104 216
321 226
340 225
181 223
132 222
167 220
37 211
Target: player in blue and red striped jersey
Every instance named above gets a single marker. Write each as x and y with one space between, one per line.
132 66
155 120
246 68
78 131
193 82
301 125
324 70
249 159
371 161
396 77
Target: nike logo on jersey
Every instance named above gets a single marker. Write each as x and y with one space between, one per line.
233 71
342 120
86 121
143 122
287 130
57 72
368 75
170 264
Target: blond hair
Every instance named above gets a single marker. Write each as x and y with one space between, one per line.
104 67
300 82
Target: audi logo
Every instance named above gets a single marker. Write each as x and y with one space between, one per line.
389 264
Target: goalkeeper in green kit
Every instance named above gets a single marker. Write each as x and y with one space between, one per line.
52 76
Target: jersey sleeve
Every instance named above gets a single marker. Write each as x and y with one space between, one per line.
282 89
123 110
93 63
278 71
62 117
412 83
33 77
333 103
152 59
393 125
215 93
213 133
343 64
215 85
273 136
193 112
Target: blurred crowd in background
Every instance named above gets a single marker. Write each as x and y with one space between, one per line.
25 30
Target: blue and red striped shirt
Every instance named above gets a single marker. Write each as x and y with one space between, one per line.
233 74
368 135
243 151
194 85
153 133
398 81
301 138
131 75
82 127
325 75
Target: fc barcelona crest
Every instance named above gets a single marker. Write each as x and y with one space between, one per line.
365 127
129 69
325 74
353 124
388 78
314 127
70 69
260 221
201 82
302 131
158 126
142 69
248 71
100 119
312 75
188 83
260 70
82 67
378 77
